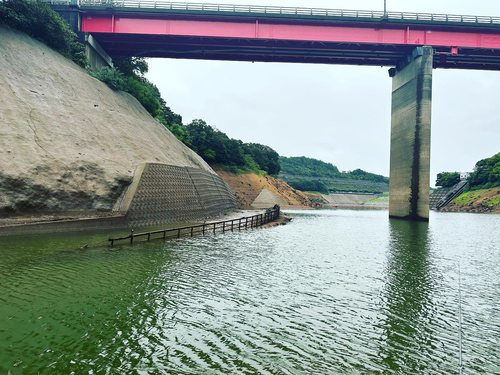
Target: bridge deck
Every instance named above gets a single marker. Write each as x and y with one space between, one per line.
286 34
301 12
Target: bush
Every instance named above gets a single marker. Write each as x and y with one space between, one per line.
39 21
309 185
112 77
447 179
486 173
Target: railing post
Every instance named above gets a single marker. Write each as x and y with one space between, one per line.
232 225
239 225
179 233
164 234
214 227
192 229
131 236
149 236
224 227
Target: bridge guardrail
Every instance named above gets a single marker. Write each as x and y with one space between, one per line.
298 11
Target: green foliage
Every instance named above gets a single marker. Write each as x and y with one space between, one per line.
215 146
207 140
486 173
142 90
266 158
447 179
39 21
112 77
309 185
467 197
308 167
303 166
131 66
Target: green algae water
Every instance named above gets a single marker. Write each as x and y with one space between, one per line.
333 292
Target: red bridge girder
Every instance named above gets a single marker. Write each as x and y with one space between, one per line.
261 38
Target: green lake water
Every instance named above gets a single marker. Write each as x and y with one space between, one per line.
333 292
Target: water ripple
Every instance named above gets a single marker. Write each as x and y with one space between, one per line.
333 292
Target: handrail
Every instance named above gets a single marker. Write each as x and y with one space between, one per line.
294 11
231 225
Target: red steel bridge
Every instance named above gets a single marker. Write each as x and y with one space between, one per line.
284 34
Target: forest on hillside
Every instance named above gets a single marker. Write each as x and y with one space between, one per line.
309 174
309 167
486 174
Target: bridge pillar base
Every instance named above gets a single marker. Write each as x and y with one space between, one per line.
411 137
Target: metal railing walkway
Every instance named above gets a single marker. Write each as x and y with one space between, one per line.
364 15
231 225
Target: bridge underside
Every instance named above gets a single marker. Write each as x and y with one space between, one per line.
287 51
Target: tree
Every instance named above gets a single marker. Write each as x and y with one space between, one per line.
447 179
486 173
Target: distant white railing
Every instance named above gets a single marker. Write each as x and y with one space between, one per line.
294 11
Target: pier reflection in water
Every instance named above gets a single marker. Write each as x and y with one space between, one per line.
333 292
412 327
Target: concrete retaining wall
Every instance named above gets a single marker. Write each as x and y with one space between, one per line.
160 194
170 194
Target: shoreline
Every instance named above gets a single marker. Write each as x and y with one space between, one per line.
86 221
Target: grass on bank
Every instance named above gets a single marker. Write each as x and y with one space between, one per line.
469 196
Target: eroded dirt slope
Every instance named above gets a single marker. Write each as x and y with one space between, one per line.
247 187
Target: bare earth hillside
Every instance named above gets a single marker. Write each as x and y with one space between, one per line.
67 141
248 187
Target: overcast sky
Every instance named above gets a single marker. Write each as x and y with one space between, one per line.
339 114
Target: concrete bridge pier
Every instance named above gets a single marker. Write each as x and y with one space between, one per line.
411 136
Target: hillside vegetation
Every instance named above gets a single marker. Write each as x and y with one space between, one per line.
310 174
483 186
486 174
447 179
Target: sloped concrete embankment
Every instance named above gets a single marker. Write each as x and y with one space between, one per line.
71 147
67 141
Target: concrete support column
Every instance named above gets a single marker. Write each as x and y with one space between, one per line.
96 54
411 137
